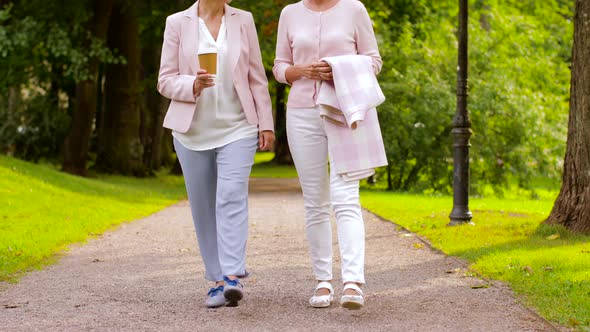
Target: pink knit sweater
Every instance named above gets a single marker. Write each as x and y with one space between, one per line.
306 36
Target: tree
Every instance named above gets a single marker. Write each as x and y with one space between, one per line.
266 15
572 207
78 139
518 117
120 149
46 49
49 78
155 138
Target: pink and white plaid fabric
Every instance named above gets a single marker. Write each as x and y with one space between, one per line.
357 88
355 151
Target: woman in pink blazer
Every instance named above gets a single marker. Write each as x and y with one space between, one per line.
218 121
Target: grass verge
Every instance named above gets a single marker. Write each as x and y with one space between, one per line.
547 265
43 210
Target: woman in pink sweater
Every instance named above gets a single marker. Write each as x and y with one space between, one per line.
308 31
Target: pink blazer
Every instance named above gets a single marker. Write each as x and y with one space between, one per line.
179 65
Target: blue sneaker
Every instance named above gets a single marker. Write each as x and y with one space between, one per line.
233 291
215 298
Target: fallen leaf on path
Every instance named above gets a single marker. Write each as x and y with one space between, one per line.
418 245
96 260
553 237
184 250
14 305
453 271
480 286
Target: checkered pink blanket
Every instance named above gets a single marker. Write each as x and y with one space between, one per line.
348 107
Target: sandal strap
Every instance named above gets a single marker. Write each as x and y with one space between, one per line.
353 287
326 285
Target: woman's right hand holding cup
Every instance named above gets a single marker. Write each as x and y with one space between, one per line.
203 81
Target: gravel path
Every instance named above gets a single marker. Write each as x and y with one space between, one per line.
147 276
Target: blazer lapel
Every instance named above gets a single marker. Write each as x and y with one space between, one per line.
190 37
232 21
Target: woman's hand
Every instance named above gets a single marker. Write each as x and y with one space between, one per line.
202 82
266 139
318 71
324 71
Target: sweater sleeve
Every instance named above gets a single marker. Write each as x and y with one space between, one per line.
284 53
366 43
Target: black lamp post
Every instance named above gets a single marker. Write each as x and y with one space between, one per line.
461 130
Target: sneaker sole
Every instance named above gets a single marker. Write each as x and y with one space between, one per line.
231 304
352 305
233 295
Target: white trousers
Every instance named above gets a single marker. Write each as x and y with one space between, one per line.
309 147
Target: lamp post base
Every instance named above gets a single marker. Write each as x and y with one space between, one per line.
460 216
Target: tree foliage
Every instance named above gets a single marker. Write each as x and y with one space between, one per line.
519 57
518 93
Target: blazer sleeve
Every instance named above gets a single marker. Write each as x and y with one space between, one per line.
171 84
366 43
284 53
258 81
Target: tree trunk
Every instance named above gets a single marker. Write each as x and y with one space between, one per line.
412 176
153 109
176 168
572 207
484 18
78 139
99 111
282 153
389 180
166 148
12 104
397 179
120 150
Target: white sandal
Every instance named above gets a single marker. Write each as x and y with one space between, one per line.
322 301
353 302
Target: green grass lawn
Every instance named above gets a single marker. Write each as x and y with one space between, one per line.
548 265
43 210
264 168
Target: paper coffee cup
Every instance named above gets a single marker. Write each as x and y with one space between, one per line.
208 61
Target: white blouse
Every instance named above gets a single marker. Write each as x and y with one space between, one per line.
219 118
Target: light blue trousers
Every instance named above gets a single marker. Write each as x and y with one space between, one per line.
217 186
